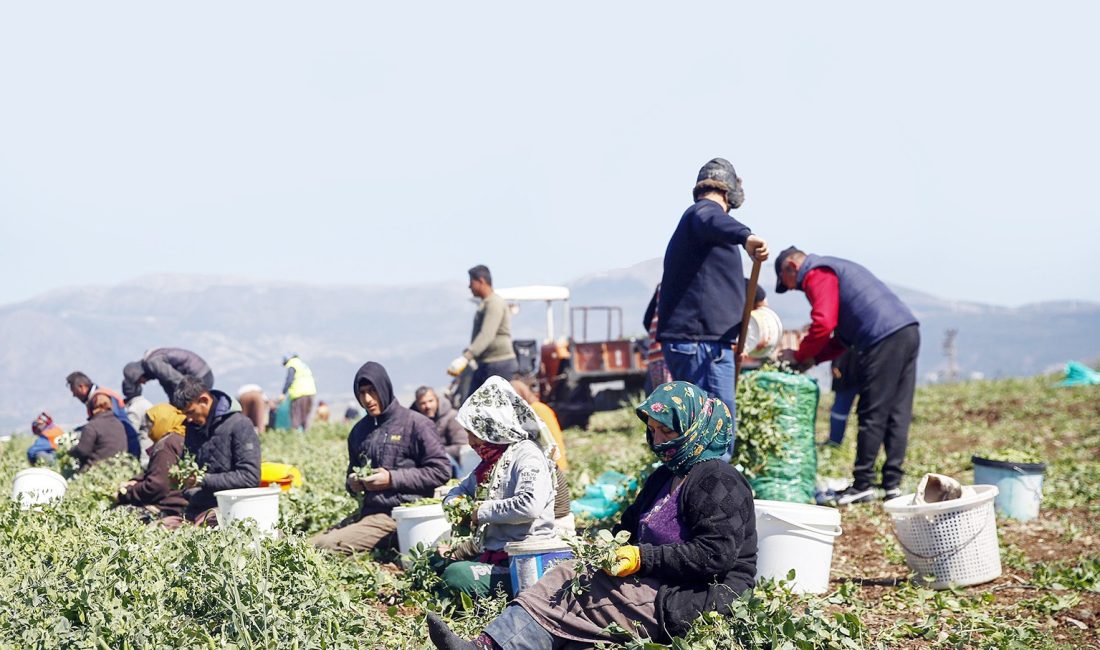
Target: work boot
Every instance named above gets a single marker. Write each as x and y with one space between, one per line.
444 638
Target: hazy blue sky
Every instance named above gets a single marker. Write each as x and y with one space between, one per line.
952 147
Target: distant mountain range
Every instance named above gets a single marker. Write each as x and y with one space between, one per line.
244 327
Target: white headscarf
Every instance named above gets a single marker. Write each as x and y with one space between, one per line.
496 413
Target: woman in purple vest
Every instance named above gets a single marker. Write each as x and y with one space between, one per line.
692 545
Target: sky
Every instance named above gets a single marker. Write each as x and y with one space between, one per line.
949 147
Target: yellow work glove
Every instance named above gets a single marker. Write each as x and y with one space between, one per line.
628 559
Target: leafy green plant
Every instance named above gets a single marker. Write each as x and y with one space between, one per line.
187 470
1012 455
759 434
363 472
592 553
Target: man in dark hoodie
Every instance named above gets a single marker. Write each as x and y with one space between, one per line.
223 442
168 366
406 459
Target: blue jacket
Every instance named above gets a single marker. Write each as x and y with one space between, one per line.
869 311
703 286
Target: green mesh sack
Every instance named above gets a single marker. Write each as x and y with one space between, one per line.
786 473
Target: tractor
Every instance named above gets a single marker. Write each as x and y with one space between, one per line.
574 374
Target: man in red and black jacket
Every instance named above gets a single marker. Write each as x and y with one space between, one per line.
852 309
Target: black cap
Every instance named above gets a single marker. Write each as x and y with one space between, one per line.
779 288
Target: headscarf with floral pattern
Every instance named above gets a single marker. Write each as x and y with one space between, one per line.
499 416
704 423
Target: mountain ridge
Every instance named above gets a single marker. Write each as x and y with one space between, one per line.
243 326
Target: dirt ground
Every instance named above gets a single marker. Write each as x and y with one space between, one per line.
860 555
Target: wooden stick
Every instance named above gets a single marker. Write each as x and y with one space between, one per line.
750 298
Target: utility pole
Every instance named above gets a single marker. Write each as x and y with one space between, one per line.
951 353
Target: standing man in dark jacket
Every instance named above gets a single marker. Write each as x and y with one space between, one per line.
169 366
223 442
702 295
490 347
852 309
406 459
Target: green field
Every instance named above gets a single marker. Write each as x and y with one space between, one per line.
81 575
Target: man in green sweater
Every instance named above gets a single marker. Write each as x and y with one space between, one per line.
490 349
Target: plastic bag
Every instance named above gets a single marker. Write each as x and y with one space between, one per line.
791 476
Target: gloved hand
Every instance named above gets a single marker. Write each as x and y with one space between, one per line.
628 559
457 366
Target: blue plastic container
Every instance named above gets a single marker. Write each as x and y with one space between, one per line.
529 560
1019 486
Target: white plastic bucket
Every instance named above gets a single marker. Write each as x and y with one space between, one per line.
530 559
765 328
37 485
425 525
950 542
260 504
796 536
468 460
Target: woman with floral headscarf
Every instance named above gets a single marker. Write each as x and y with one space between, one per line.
692 545
512 488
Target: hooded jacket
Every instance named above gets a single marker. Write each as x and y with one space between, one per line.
227 447
170 365
451 434
400 440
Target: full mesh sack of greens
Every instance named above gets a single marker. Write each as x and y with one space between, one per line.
776 413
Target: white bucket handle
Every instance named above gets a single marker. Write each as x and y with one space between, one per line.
946 554
827 533
1036 491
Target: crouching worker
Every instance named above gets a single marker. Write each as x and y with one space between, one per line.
154 495
692 545
102 437
394 457
512 489
223 443
43 451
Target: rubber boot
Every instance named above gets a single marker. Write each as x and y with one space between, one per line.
443 638
515 629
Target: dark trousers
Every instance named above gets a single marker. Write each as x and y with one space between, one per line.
887 379
838 415
506 369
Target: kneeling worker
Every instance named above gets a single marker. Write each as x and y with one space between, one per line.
394 457
153 494
223 442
